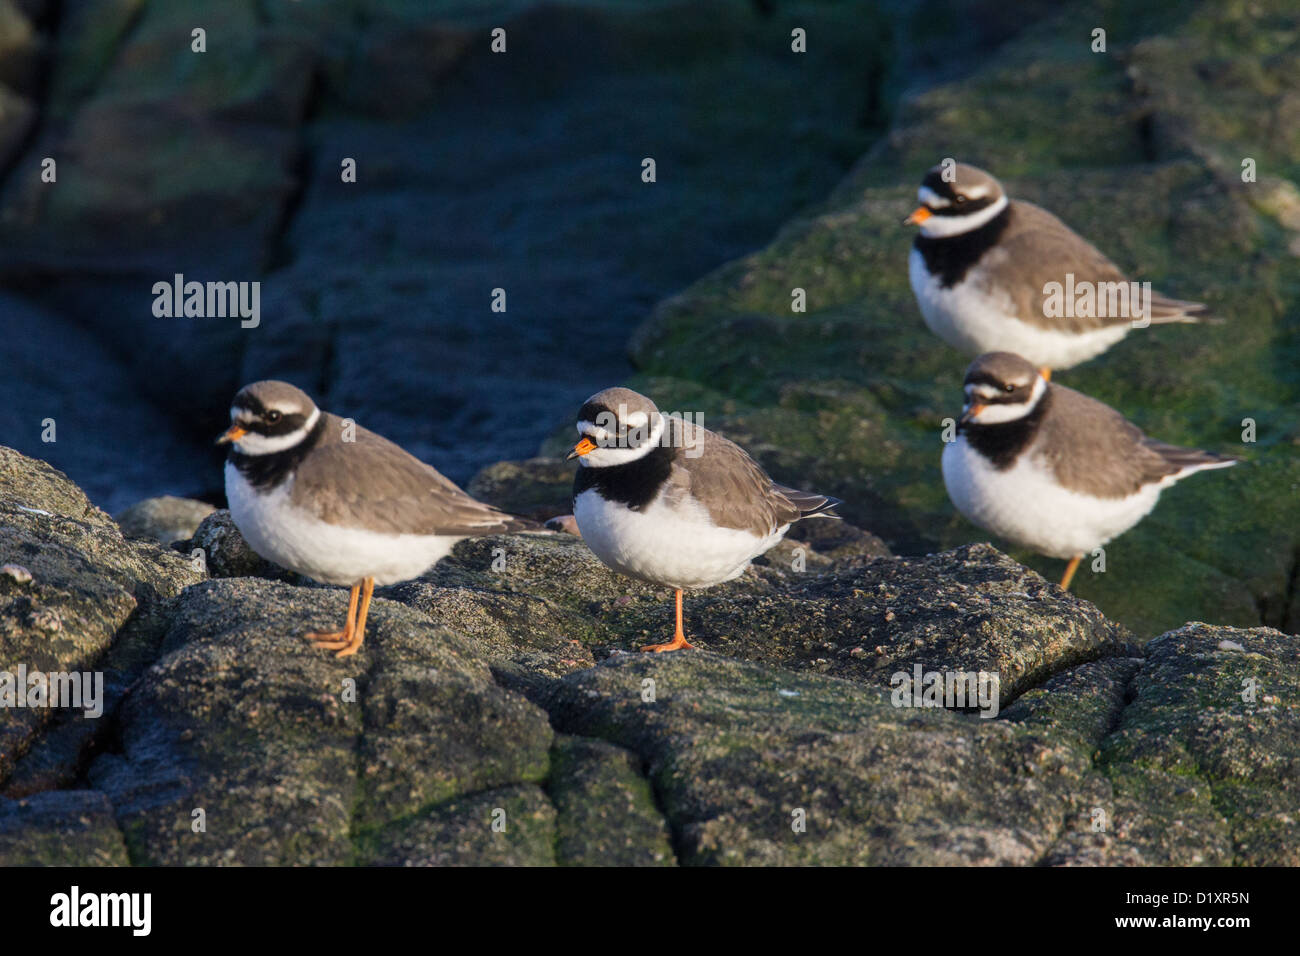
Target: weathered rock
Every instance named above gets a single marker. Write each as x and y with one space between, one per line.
539 488
781 740
61 828
1205 758
759 765
164 519
509 826
226 554
607 814
852 395
77 582
291 754
854 615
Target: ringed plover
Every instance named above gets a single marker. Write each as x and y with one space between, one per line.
983 264
1051 469
669 502
340 505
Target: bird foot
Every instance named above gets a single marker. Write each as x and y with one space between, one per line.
679 642
332 641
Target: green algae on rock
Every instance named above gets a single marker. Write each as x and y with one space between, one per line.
1138 151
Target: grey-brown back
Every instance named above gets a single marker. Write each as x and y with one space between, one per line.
1093 449
732 487
1037 248
373 483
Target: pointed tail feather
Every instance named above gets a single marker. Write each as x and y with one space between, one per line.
1186 461
1165 310
810 504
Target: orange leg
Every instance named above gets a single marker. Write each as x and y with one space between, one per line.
1046 373
679 640
333 640
359 634
1069 571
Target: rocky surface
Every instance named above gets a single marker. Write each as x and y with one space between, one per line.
472 175
499 715
164 519
69 586
225 165
1141 149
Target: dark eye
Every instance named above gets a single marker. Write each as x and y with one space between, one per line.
960 200
1010 388
273 416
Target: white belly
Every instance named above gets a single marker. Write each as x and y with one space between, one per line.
1026 506
675 547
331 554
970 319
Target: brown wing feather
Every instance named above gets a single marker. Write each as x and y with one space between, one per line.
1092 448
1038 248
733 487
374 483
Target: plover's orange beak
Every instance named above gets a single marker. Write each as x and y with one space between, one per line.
584 447
919 215
970 413
233 433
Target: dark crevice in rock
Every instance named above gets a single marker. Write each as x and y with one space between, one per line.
1290 601
676 834
355 827
1070 662
279 253
1279 610
1117 718
605 833
1146 136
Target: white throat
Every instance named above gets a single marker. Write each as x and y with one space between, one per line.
604 457
254 444
939 227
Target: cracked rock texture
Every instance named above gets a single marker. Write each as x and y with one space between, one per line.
498 715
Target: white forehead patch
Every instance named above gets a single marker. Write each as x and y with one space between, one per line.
928 197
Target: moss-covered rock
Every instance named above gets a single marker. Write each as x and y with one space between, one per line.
287 754
1141 150
508 826
495 715
606 810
